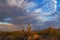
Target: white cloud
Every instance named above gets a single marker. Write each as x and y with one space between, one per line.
17 3
37 10
55 3
21 4
29 5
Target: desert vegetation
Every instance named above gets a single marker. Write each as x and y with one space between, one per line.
46 34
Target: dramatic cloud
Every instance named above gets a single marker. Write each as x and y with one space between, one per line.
20 12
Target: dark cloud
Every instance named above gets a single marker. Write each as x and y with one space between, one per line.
7 11
2 1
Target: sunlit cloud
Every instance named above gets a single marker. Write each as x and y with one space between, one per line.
4 26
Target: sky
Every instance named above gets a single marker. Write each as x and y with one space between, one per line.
40 13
